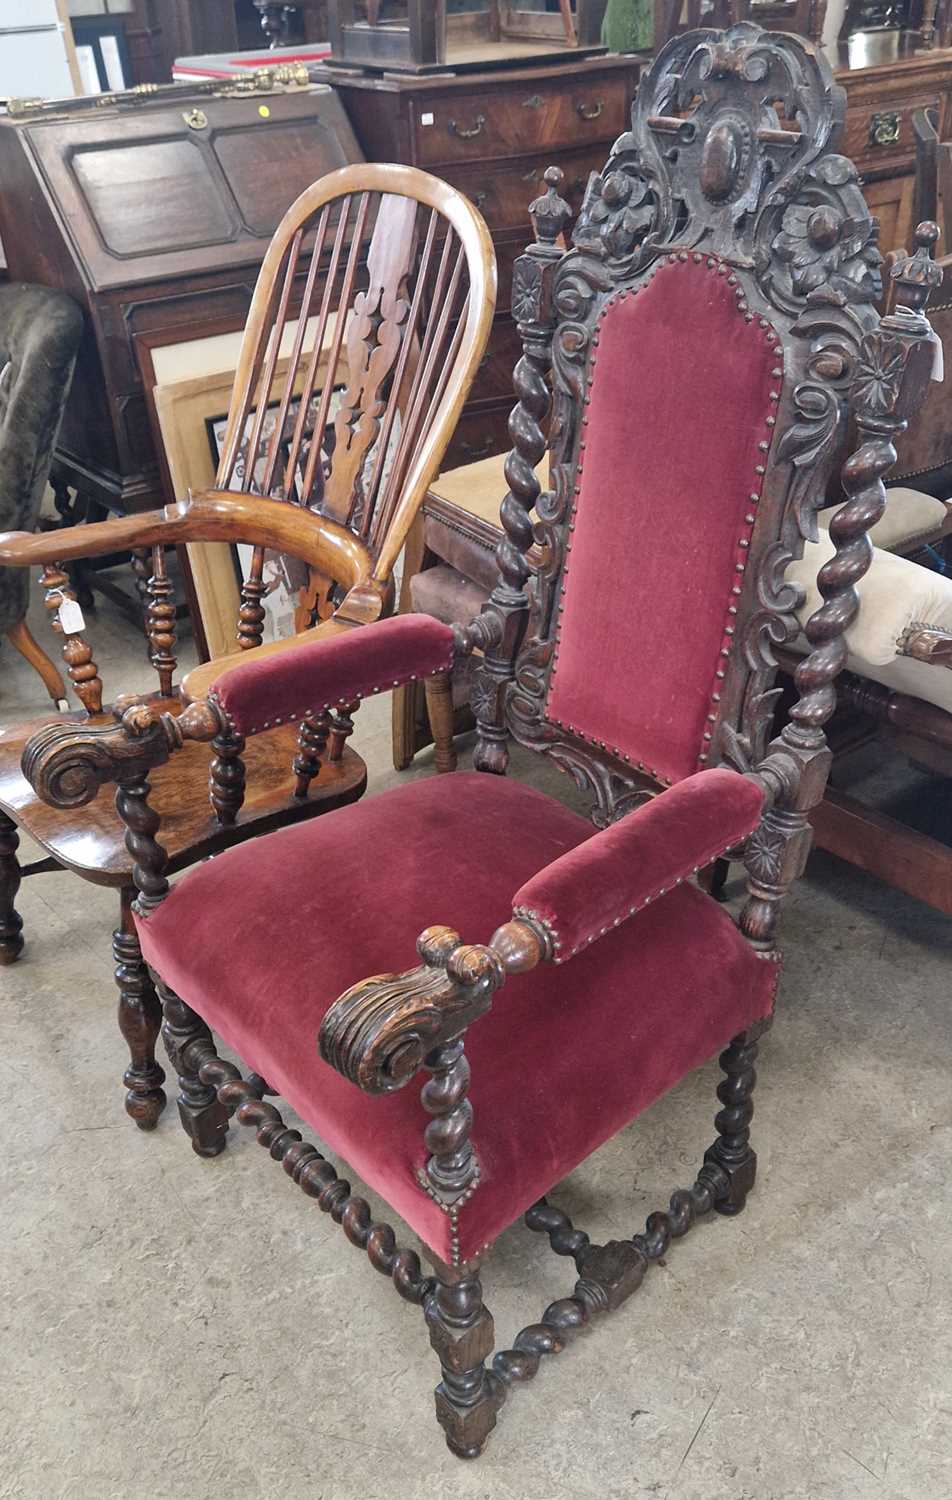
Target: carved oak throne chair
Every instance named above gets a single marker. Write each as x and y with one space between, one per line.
565 978
370 316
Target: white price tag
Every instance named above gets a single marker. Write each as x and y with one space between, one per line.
427 117
71 617
938 360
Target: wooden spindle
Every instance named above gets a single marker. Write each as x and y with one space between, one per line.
160 621
312 742
346 294
62 604
320 334
342 727
252 614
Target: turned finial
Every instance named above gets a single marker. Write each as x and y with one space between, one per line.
550 213
917 275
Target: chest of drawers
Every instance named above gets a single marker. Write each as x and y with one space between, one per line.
492 134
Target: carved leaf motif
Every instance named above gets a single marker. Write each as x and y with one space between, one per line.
526 290
879 374
764 854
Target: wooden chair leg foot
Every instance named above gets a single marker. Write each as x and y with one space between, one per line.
732 1151
140 1016
439 707
22 640
11 923
461 1332
204 1119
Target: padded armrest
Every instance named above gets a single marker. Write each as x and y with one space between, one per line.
894 595
341 669
601 883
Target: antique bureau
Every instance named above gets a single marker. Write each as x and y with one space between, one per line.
153 211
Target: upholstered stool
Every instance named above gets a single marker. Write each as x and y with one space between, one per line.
450 571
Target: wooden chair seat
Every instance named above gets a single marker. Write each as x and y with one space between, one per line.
94 846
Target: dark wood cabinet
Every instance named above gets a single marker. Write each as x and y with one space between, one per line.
492 135
155 217
887 76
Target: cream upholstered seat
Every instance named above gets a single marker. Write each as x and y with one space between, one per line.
895 595
911 518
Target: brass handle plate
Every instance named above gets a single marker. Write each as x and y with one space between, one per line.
590 111
465 134
884 128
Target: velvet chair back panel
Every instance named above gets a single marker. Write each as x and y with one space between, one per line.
40 332
683 385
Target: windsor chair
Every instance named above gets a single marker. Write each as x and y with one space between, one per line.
369 318
725 248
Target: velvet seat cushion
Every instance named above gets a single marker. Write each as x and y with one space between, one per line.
263 938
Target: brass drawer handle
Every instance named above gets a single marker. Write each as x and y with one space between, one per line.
478 199
884 129
463 133
534 101
477 450
590 111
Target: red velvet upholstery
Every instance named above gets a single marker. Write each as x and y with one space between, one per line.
263 938
621 870
368 659
680 394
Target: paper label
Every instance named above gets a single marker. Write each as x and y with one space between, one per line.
427 117
938 360
71 617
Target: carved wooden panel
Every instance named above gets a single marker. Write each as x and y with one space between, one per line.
730 160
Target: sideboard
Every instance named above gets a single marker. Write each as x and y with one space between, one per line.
887 76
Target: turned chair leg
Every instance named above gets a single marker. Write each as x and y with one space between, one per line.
140 1016
439 708
461 1332
11 923
21 640
732 1150
204 1119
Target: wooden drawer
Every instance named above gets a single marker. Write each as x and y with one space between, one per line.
878 135
503 195
481 430
475 125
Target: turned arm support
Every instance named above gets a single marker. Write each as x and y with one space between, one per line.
379 1033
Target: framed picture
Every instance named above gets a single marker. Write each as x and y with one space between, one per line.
291 592
189 384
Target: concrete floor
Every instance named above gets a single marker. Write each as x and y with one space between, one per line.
179 1328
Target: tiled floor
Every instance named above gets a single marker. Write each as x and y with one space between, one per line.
181 1328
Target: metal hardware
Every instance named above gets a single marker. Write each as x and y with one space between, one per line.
884 128
590 111
534 101
195 119
463 133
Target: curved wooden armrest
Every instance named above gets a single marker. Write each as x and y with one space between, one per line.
927 643
209 516
378 1033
